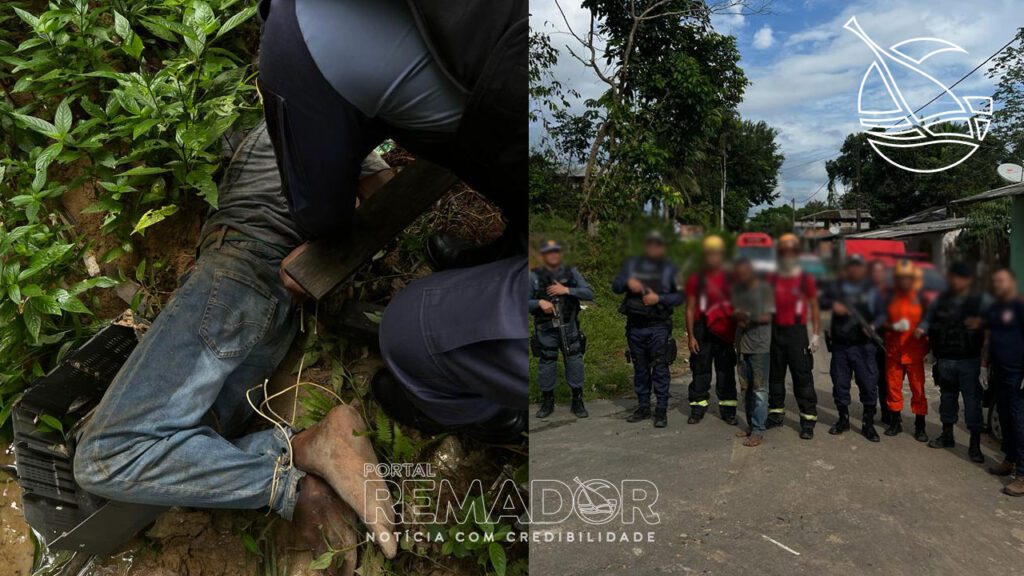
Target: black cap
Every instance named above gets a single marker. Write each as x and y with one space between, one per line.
654 237
550 246
855 260
961 269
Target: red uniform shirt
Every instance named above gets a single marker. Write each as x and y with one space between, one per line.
793 295
716 289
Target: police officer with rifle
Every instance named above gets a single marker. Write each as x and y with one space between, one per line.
555 294
651 293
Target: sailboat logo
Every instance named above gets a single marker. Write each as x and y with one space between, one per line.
948 126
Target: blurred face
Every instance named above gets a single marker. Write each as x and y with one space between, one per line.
713 258
856 272
904 282
744 272
655 250
1003 285
878 273
553 259
958 284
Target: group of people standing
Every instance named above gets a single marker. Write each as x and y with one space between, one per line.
759 326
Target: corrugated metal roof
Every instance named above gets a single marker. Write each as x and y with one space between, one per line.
928 215
837 215
1004 192
912 229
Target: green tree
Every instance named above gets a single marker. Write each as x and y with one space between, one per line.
1008 121
774 220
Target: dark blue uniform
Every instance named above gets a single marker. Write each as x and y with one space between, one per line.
853 353
559 331
1005 322
649 328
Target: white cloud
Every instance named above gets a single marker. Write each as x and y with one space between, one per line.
763 38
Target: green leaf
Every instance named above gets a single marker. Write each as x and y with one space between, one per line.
46 305
154 216
47 156
28 18
63 118
322 562
235 20
250 544
52 422
122 27
498 560
33 322
143 171
38 124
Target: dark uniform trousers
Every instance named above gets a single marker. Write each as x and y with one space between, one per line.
648 348
849 360
789 350
720 355
549 340
1010 405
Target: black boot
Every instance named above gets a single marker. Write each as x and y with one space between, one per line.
844 421
696 415
895 424
867 427
974 451
729 416
577 403
640 414
775 420
661 417
806 429
547 404
944 440
919 434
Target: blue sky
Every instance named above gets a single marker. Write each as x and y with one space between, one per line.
806 69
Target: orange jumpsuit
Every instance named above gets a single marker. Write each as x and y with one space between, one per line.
904 354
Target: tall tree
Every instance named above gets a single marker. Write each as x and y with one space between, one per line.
1009 95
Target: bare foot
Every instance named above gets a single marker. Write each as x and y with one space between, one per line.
742 434
320 518
753 441
333 451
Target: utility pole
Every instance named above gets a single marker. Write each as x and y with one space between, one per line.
793 201
721 197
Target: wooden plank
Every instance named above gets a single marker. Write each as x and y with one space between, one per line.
329 262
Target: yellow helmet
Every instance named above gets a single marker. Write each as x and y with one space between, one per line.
905 268
788 241
713 244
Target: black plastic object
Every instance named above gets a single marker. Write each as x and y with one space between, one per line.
64 515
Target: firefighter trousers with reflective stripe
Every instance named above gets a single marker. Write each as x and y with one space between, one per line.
789 351
720 355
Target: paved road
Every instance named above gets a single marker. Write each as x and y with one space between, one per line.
833 505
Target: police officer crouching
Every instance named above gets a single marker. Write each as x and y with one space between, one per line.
555 294
649 285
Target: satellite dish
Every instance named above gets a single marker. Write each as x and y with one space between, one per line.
1011 173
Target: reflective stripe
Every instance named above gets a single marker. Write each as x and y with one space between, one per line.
727 403
777 411
700 403
809 416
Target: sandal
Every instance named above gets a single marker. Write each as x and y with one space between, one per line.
753 441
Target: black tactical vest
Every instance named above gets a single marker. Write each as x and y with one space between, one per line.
569 305
947 334
846 330
655 280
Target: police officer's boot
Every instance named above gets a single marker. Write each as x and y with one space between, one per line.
660 416
806 429
944 440
547 404
919 434
640 414
844 421
974 451
696 415
577 403
729 417
775 419
867 427
895 424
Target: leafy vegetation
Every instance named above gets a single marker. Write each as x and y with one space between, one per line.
126 99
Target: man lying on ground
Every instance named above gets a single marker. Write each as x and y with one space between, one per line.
169 429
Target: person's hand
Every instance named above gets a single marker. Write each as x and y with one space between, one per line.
983 378
286 279
556 289
973 323
651 298
815 344
546 307
740 315
693 345
635 286
840 309
903 325
918 333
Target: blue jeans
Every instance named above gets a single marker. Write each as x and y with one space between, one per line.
151 441
956 376
753 372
